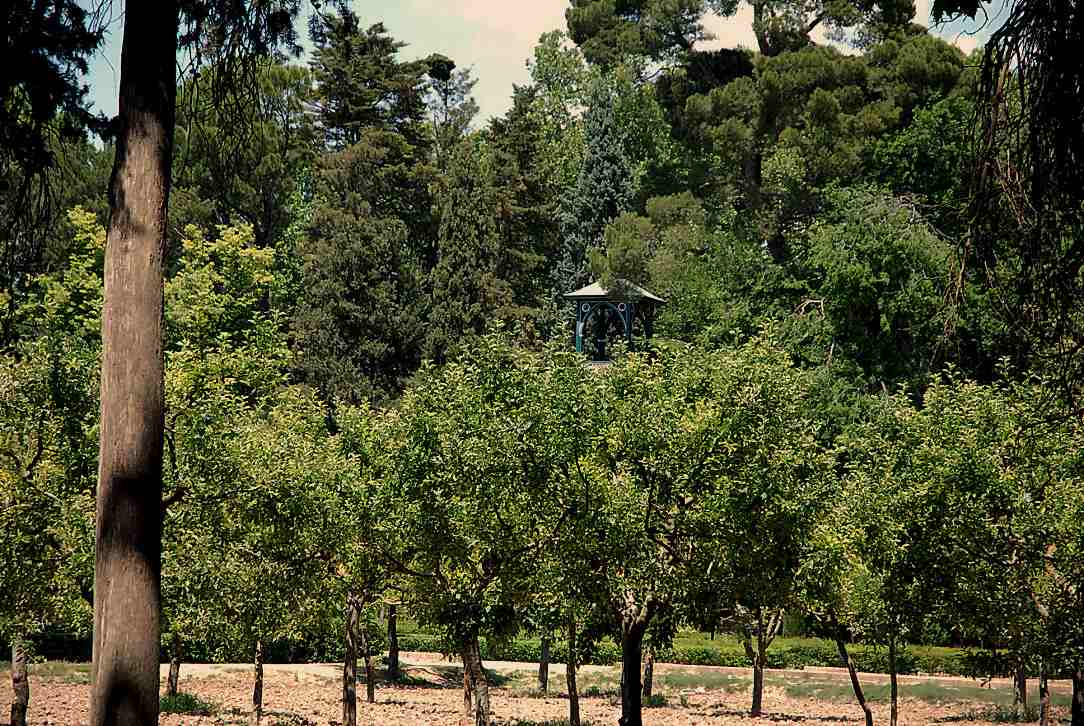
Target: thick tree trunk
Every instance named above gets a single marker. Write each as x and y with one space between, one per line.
632 635
856 685
370 677
649 674
475 677
350 665
1044 696
894 689
1077 709
20 682
570 675
257 686
544 665
393 645
174 678
128 540
1020 686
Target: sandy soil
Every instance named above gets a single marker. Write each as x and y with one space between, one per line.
310 695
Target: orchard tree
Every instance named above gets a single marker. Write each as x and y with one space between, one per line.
758 518
47 421
224 355
472 496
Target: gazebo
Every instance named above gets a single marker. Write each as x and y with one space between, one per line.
619 306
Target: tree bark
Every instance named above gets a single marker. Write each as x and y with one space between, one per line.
856 685
570 675
1020 687
757 656
649 674
128 542
1077 708
1044 696
758 687
393 645
257 686
632 635
544 665
475 678
370 678
894 691
174 678
350 665
20 682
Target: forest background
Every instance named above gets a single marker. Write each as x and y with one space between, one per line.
343 233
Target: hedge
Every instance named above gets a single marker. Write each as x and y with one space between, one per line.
868 659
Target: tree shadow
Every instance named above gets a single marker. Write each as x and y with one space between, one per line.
775 717
438 676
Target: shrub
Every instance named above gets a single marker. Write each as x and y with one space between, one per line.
187 704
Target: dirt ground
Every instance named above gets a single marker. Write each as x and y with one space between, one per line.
310 696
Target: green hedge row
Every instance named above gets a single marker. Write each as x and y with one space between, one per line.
867 658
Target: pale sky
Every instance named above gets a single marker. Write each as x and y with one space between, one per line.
494 36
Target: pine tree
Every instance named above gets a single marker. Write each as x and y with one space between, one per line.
465 288
603 190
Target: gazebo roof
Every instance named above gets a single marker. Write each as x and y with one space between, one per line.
623 290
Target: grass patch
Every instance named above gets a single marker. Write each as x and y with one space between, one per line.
708 680
655 700
186 703
61 671
933 692
1002 714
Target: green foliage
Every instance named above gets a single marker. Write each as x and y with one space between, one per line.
240 163
186 703
465 290
877 274
603 189
614 32
361 84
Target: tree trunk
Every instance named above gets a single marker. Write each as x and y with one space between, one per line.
544 665
1077 709
757 657
893 714
856 685
20 682
649 674
393 645
257 686
370 678
1020 687
468 702
1044 696
570 675
475 678
174 666
350 665
632 635
128 542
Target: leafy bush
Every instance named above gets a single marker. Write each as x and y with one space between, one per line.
186 703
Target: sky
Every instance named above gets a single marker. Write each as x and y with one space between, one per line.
494 36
